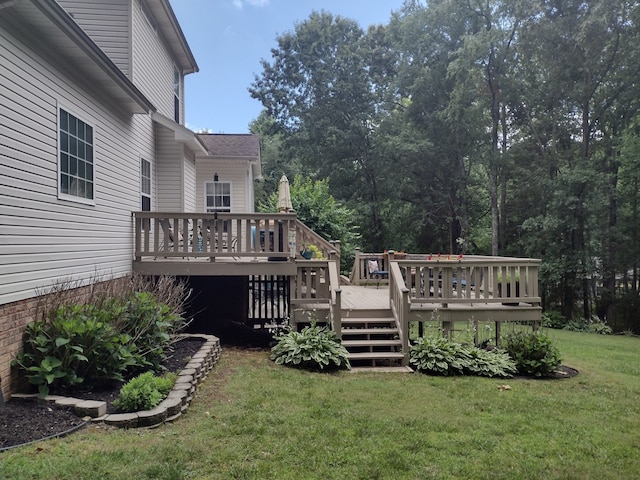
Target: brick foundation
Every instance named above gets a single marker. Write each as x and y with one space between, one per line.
14 318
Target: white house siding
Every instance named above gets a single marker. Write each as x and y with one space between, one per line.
152 65
107 23
189 181
42 238
233 171
169 171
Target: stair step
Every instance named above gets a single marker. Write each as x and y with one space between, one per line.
376 356
371 343
371 320
369 331
381 370
367 313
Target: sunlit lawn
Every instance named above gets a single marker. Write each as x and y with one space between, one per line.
254 420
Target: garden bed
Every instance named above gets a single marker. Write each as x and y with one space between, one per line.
24 420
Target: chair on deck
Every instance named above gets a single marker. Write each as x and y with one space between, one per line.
374 270
167 233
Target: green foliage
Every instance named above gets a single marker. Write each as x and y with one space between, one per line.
144 392
118 334
76 346
314 348
439 356
553 319
150 326
319 210
534 353
593 326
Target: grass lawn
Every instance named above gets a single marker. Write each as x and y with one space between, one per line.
254 420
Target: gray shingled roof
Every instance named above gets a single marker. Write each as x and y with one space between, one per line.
228 145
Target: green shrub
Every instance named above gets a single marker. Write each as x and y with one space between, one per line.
534 353
593 326
109 339
553 319
439 356
150 326
489 363
144 392
313 348
76 346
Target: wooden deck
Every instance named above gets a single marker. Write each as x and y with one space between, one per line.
356 297
388 292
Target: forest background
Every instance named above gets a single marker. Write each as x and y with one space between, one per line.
494 127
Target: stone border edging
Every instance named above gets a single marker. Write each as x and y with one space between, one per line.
168 410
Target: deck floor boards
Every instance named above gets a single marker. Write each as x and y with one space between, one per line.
365 298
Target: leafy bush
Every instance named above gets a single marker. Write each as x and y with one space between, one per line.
313 348
439 356
534 353
489 363
553 319
593 326
144 392
76 346
117 329
150 326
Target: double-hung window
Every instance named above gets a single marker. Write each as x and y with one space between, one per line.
176 94
145 185
218 197
75 150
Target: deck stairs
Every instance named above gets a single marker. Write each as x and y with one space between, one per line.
371 338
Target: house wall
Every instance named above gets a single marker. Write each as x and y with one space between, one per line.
153 66
107 23
189 181
169 171
45 238
233 171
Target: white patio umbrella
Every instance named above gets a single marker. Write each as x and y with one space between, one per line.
284 195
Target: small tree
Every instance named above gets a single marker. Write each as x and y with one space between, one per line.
320 211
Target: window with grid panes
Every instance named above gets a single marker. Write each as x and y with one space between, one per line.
75 151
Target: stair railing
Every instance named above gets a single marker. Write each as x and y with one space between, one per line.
400 304
335 304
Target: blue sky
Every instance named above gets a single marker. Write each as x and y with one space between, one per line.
229 37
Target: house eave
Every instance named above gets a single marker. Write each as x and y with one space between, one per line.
168 23
59 32
181 134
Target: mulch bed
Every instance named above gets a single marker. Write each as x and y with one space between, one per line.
24 421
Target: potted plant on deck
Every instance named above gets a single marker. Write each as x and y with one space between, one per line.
508 278
309 251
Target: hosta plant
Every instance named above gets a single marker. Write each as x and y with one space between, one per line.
144 392
439 356
313 348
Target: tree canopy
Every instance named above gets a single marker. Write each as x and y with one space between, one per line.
475 126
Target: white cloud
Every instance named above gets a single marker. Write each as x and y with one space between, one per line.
240 4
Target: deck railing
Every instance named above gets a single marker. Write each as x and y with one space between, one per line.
453 288
315 292
193 235
188 235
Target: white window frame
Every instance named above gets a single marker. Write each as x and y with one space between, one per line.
68 155
177 100
216 208
149 181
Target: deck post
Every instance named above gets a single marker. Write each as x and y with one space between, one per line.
337 313
356 268
404 318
